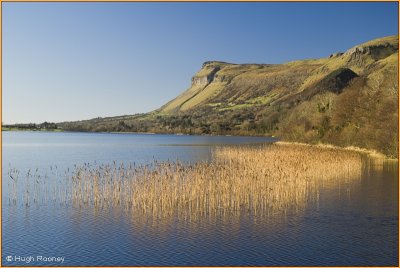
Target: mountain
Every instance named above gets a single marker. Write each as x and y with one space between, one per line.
348 98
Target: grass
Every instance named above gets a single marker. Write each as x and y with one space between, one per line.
199 94
214 104
263 99
336 63
260 179
236 107
393 39
203 95
182 98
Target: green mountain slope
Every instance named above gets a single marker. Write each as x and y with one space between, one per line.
348 98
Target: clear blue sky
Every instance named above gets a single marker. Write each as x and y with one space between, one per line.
73 61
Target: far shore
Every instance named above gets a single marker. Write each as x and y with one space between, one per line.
369 152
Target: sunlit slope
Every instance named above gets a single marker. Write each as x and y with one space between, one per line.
231 86
207 83
224 85
348 98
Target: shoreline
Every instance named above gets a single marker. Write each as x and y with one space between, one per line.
369 152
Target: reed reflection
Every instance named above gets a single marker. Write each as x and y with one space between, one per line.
262 180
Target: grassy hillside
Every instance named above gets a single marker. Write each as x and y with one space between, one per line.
348 98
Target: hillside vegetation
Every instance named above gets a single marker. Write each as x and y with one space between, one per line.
346 99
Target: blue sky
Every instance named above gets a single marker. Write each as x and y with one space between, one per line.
73 61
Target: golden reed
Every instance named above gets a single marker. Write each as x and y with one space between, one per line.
260 179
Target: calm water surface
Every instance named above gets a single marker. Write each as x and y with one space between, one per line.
350 223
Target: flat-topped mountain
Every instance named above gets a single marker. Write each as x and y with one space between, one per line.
347 98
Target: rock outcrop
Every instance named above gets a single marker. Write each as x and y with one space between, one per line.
374 50
335 55
205 79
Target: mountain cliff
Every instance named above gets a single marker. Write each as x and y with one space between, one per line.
347 98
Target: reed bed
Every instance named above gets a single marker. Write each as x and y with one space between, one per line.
259 180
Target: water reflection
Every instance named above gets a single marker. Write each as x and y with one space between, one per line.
256 206
258 180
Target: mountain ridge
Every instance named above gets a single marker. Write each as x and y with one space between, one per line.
347 98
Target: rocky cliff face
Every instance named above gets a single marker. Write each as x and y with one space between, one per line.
203 80
374 50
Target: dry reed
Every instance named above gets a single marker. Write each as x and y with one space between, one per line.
241 179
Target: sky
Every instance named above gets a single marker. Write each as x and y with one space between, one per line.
76 61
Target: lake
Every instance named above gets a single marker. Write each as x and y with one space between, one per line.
352 223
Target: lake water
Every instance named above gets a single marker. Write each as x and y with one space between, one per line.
353 223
